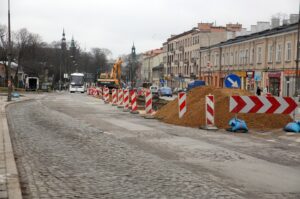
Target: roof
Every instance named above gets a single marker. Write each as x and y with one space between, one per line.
182 34
264 33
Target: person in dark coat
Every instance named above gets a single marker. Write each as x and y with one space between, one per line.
258 91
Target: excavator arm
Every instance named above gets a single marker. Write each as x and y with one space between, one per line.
116 71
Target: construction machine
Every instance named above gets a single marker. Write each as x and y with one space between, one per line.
112 80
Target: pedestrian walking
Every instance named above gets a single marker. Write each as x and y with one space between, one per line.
258 91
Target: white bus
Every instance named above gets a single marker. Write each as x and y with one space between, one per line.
77 83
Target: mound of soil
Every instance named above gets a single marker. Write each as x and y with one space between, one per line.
195 115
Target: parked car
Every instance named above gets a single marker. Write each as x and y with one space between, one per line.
165 91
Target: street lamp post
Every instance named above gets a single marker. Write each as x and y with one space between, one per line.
9 84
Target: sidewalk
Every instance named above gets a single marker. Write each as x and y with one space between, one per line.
9 178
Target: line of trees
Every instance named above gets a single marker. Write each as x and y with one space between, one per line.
34 56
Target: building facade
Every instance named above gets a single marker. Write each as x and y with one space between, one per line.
182 51
151 59
265 59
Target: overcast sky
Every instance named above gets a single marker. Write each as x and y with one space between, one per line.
116 24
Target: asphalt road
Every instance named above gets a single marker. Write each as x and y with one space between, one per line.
75 146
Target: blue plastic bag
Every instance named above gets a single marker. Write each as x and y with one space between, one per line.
238 125
293 127
15 94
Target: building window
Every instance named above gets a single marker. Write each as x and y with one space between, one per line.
216 59
258 55
288 51
231 58
278 52
241 56
270 53
246 56
236 58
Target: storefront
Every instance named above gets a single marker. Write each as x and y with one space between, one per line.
274 83
250 86
289 82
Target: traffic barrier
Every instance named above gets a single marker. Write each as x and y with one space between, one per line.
148 104
209 113
100 92
120 98
106 95
91 90
182 103
126 100
262 104
114 97
133 103
95 92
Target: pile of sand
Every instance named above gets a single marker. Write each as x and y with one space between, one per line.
195 115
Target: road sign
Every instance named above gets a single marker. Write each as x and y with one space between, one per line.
262 104
232 81
162 81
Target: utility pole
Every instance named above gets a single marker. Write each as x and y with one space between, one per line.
297 58
9 54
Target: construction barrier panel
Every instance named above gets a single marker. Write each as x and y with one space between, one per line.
182 103
262 104
126 100
114 97
106 95
133 103
120 98
148 102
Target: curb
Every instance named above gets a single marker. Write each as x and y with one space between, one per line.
12 175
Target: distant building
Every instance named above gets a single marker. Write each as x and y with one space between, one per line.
275 22
294 18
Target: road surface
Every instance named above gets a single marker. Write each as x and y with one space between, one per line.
75 146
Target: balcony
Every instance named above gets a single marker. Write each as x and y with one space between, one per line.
186 61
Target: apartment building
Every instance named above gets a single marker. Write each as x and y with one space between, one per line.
182 51
151 59
265 59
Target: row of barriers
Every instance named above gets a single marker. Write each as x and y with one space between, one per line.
246 104
123 98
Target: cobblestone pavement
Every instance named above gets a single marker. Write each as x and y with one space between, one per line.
74 146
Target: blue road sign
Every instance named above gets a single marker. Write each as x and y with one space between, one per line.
162 81
232 81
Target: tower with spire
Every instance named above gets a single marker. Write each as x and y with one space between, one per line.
63 41
133 54
73 55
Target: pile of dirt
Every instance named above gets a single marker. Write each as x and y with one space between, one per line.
195 115
157 103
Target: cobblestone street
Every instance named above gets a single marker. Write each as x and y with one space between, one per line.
75 146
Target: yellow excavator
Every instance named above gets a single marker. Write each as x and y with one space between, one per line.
112 80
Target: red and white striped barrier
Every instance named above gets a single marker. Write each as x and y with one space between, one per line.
262 104
209 110
106 95
126 100
114 97
95 92
148 102
101 92
120 98
133 103
182 103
